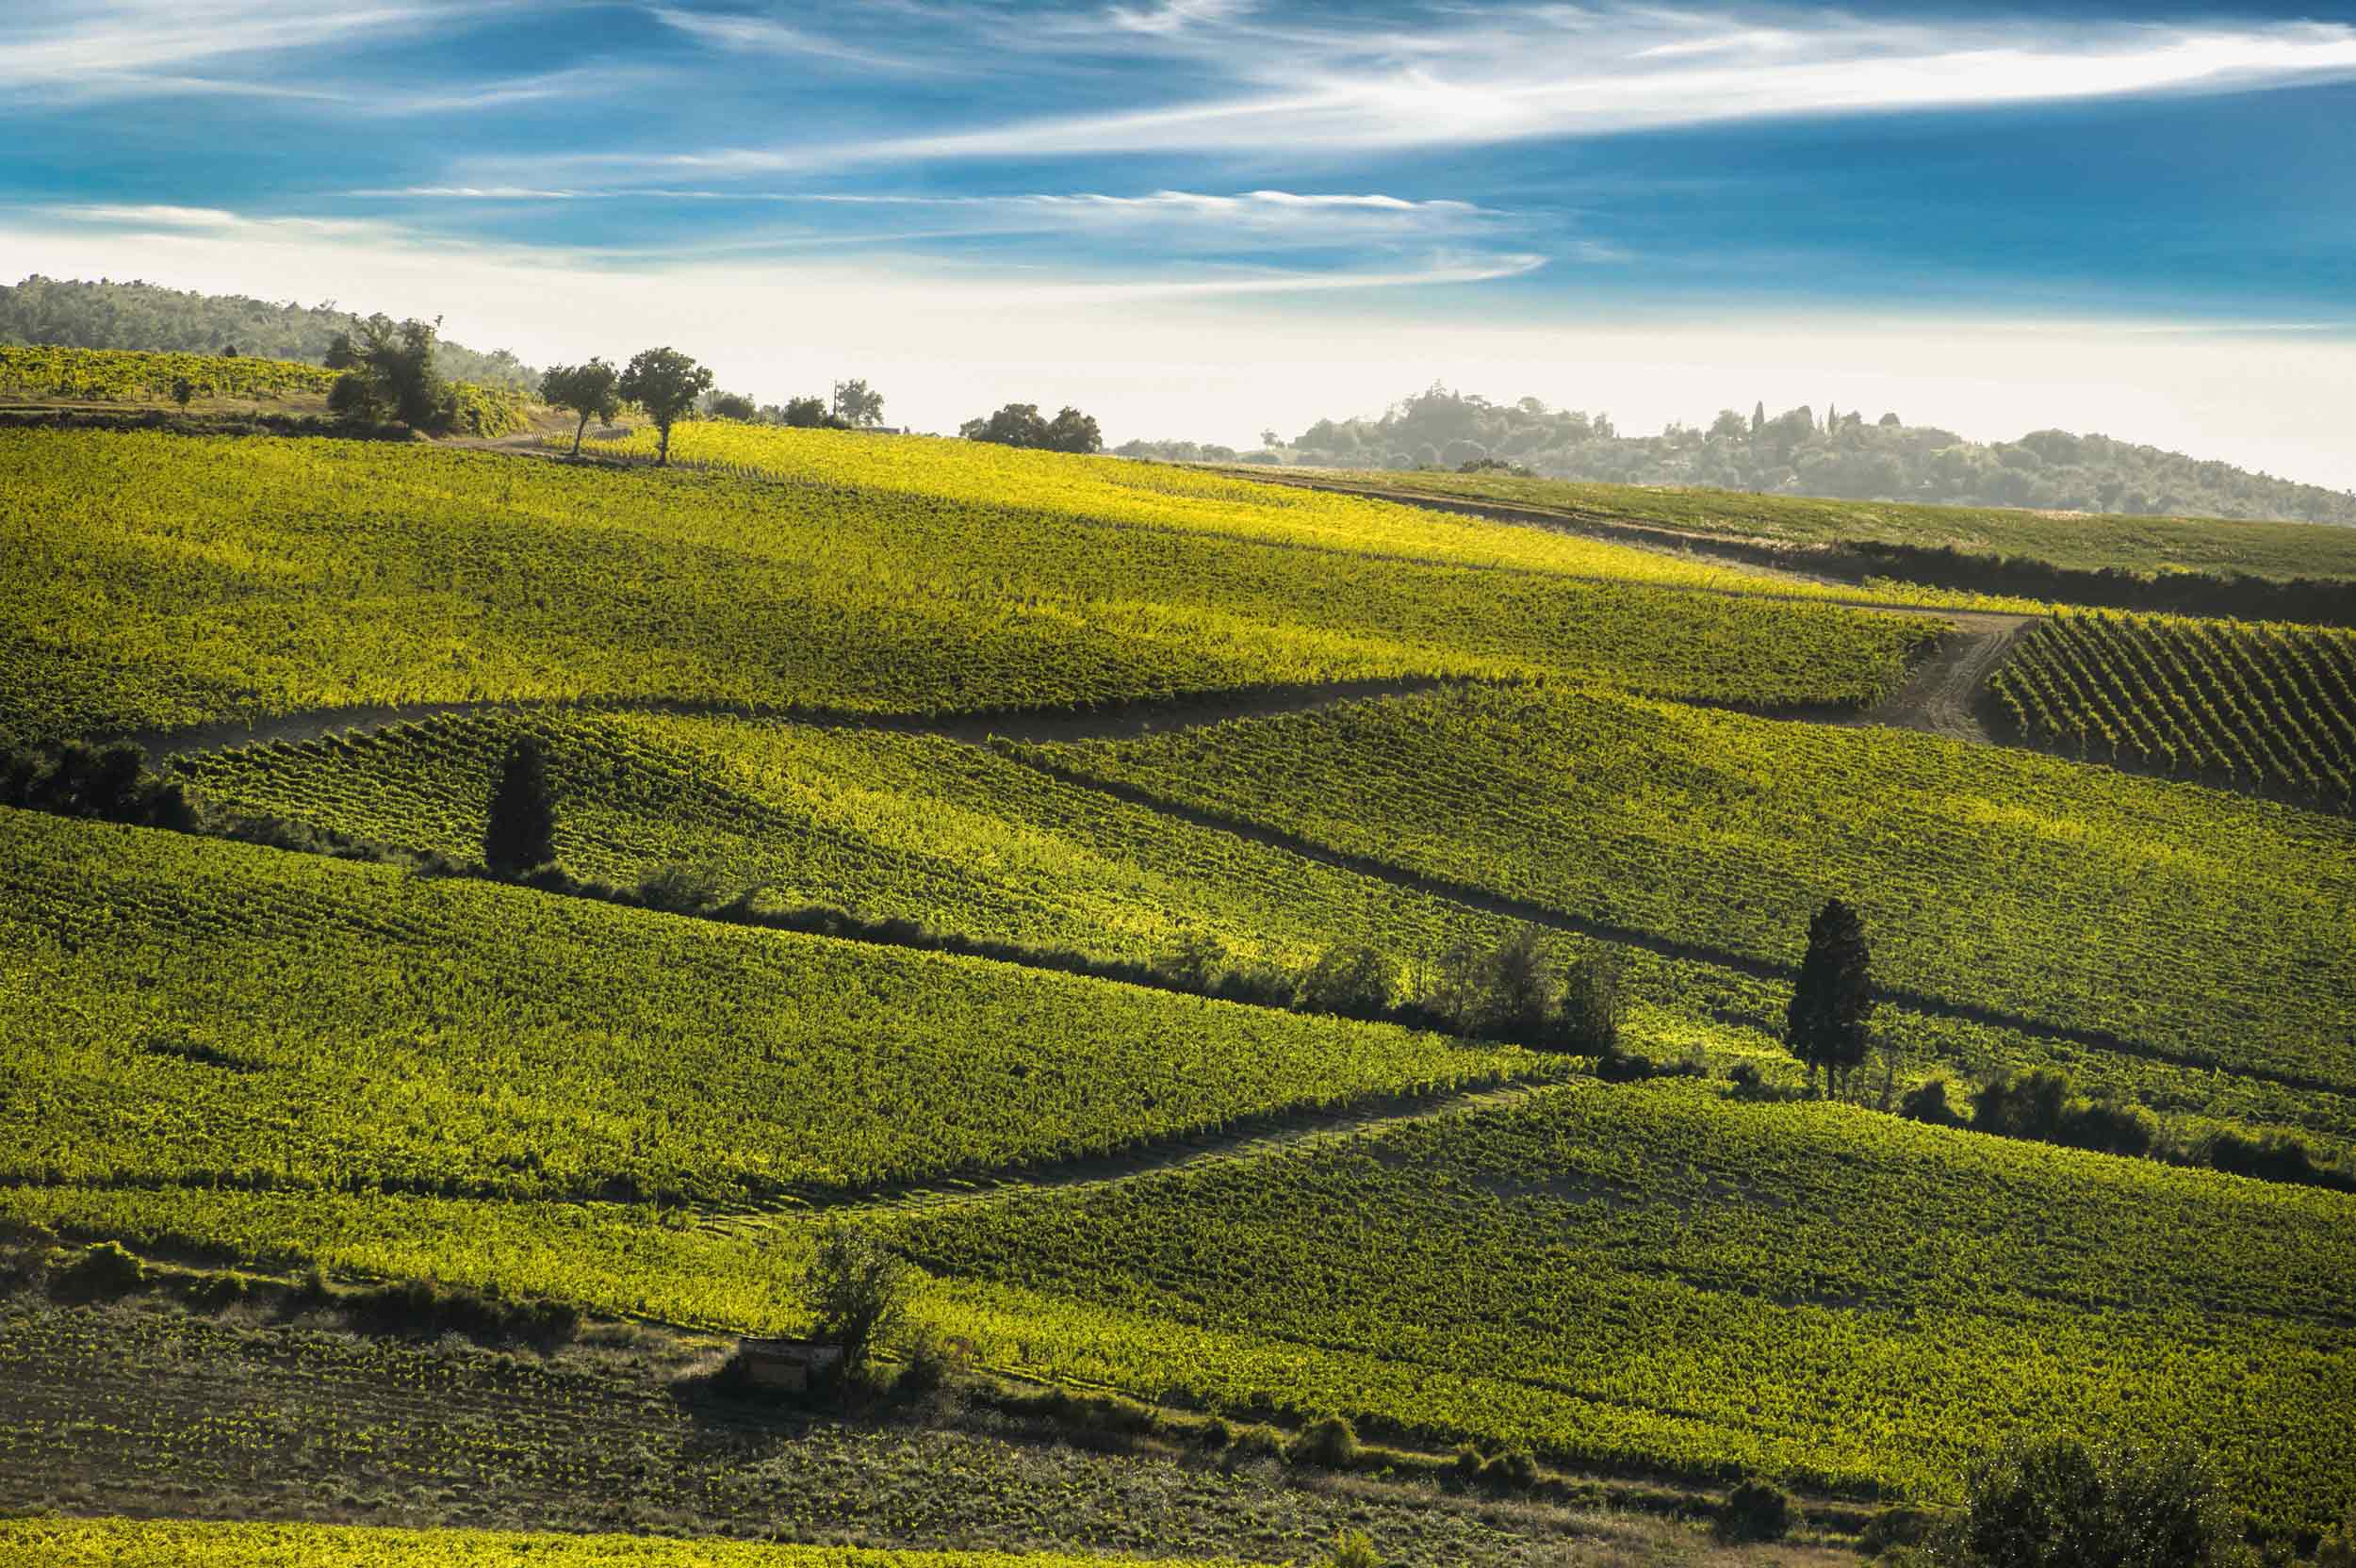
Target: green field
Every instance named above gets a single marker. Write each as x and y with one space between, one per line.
1086 713
2268 706
186 1012
2074 541
1658 1276
2198 925
164 581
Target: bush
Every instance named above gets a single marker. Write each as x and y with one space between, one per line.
1928 1103
2026 1104
1626 1066
1756 1510
420 1309
2055 1503
1352 1549
1349 981
2107 1127
680 890
101 1272
1897 1527
1328 1442
927 1362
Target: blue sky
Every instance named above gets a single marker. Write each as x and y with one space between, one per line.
1212 216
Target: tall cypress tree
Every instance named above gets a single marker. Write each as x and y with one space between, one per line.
1832 1002
521 833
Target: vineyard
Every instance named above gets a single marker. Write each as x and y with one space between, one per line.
2258 705
1661 1277
163 582
150 1543
2172 920
183 1012
119 375
2068 540
967 840
1194 500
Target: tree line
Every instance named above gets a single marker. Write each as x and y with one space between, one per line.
1836 452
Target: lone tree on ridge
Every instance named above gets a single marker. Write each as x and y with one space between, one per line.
666 384
1832 1001
591 390
521 833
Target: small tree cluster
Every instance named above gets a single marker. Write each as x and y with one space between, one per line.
2057 1503
1517 991
80 780
390 373
1022 425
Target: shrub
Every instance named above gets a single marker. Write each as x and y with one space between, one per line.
2338 1548
1626 1066
1352 1549
420 1309
1897 1527
2026 1104
1349 981
1756 1510
1927 1101
1328 1442
2055 1503
102 1271
1512 1470
2108 1127
680 890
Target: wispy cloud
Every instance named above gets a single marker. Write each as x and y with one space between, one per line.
1467 77
101 45
769 36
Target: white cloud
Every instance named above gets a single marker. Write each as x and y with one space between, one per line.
111 44
1485 77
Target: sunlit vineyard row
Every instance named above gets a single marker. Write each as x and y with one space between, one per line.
159 582
119 375
2200 922
193 1543
1164 495
1663 1276
2253 703
970 842
183 1010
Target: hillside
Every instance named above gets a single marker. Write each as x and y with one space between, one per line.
1837 455
77 314
1101 884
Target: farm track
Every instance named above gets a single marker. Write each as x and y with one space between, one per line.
1249 1140
1113 721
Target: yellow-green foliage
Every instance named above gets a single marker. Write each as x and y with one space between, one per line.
2075 541
2205 925
1163 495
153 581
183 1010
1659 1274
186 1544
123 375
2258 703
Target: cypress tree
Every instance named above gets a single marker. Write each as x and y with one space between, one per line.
521 833
1759 417
1833 998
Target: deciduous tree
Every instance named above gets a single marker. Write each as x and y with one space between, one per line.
591 390
665 383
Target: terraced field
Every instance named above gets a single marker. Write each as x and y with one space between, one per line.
1660 1277
186 1013
2157 919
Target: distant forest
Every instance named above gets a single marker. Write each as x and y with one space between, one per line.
1837 452
146 316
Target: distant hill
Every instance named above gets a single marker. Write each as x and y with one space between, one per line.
145 316
1839 454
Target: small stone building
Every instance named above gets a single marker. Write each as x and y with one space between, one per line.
787 1365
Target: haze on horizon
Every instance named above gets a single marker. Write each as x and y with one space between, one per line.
1199 220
